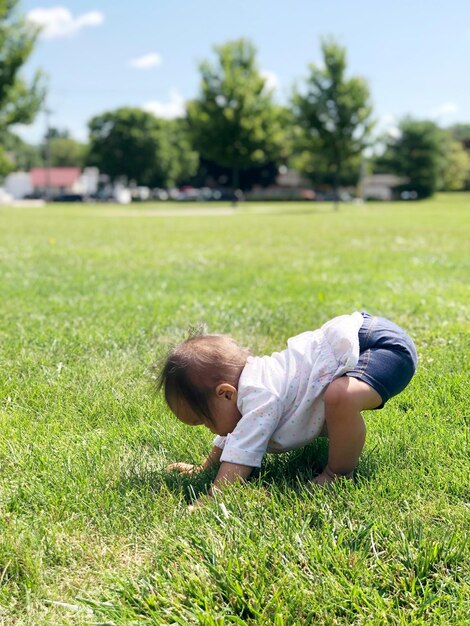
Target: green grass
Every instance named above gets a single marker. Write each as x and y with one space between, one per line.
92 528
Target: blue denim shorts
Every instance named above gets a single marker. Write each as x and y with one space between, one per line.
387 357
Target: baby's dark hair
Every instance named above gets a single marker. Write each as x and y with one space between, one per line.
194 368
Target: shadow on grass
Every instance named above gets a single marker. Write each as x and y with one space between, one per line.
292 470
188 486
288 471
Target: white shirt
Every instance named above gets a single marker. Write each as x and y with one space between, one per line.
280 396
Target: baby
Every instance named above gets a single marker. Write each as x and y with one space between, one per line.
317 386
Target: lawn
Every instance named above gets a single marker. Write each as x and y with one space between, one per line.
93 530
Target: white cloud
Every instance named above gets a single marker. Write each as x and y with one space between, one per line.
58 22
443 110
271 80
146 61
174 107
394 132
388 125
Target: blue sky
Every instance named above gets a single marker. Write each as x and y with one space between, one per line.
102 54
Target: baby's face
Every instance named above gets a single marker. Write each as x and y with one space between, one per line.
185 413
225 414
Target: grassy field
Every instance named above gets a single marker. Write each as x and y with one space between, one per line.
92 528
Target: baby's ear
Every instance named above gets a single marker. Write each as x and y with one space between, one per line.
226 390
220 389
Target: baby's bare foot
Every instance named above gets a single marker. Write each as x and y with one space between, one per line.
322 479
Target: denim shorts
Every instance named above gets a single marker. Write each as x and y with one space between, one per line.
387 357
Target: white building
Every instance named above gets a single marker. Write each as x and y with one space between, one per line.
52 182
18 185
380 186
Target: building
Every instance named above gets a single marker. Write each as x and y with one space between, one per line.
381 186
289 185
18 185
53 182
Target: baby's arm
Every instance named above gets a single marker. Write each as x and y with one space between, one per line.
187 468
230 473
213 458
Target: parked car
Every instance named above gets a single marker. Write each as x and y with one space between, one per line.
140 194
160 194
69 197
188 194
409 195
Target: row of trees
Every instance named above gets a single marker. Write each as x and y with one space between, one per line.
234 131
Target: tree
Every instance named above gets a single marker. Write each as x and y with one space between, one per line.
333 114
134 144
461 132
184 159
455 169
56 133
19 101
62 151
20 155
416 153
211 174
234 122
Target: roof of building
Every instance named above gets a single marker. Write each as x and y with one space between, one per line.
54 176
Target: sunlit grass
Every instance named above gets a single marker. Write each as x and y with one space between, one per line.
93 530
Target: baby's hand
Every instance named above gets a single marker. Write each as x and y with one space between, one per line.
184 468
197 504
327 477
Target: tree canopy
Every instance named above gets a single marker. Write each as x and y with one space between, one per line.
418 154
19 101
455 168
60 150
333 114
461 132
21 155
133 144
234 122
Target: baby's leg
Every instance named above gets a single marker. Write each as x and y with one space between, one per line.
386 364
345 398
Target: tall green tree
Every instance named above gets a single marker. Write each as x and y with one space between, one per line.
19 101
134 144
461 133
59 149
234 122
184 160
333 114
65 151
418 154
455 168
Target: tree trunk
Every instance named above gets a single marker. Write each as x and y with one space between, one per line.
235 183
336 188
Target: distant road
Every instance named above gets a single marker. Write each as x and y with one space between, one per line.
177 212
